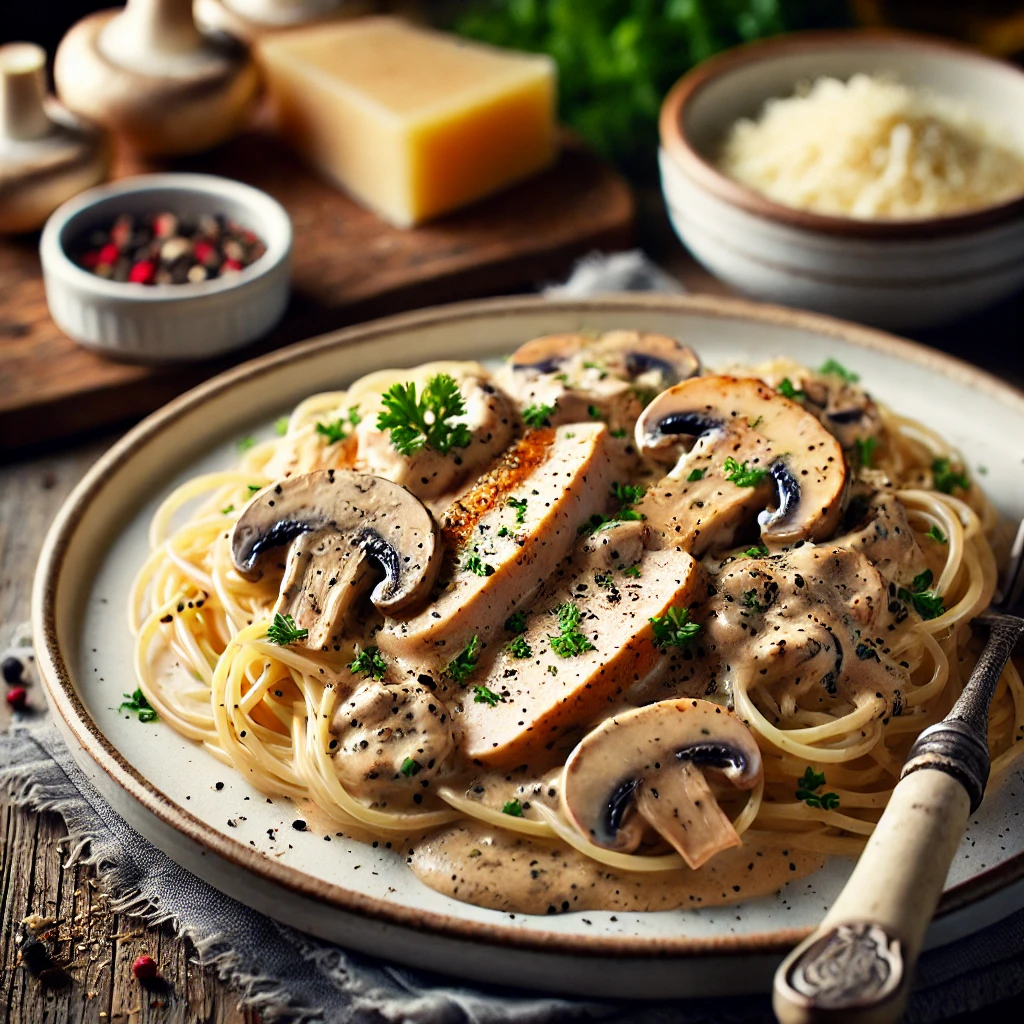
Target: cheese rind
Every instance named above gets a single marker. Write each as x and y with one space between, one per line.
411 122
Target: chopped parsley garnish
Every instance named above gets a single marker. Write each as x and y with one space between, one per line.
504 531
787 390
925 602
757 551
281 426
538 415
519 504
369 662
227 510
936 534
334 431
751 601
410 767
245 443
283 631
475 564
865 448
425 421
945 478
593 412
569 642
674 629
603 580
620 432
463 665
519 648
254 488
516 622
807 787
695 475
628 494
740 473
513 808
633 570
832 366
482 695
137 704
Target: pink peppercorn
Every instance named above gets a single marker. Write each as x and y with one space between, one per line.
142 272
17 696
144 968
108 254
229 265
203 251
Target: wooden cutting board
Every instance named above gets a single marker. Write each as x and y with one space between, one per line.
348 266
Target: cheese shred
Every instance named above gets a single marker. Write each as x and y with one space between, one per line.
873 148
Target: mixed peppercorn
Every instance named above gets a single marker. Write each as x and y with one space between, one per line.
161 248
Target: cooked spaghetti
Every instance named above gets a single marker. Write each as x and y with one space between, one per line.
655 622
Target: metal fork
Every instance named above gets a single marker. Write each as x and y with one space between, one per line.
857 966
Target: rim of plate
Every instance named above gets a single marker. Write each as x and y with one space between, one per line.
57 677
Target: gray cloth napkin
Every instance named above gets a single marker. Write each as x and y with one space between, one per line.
292 977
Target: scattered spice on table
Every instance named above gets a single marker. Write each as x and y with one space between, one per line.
161 248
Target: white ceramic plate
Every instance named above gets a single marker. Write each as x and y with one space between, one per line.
366 898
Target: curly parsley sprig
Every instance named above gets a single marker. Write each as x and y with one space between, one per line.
426 420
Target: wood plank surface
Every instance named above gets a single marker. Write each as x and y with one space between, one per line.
348 266
97 945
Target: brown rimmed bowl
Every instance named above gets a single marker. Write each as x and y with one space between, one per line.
344 890
899 274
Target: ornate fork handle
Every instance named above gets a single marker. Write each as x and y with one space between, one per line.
856 967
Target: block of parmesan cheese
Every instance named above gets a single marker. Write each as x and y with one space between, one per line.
412 122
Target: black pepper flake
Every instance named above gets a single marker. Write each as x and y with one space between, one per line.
299 825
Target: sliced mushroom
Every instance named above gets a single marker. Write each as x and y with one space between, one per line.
845 410
653 760
777 445
611 376
345 533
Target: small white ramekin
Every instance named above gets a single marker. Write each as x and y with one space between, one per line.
897 274
168 322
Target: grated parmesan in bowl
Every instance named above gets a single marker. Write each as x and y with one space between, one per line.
873 149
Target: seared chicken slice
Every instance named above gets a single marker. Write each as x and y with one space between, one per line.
562 683
505 537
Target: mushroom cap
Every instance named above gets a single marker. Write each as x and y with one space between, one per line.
638 352
611 763
160 114
382 518
805 461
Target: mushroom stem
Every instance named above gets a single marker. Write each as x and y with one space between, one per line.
679 804
154 27
22 89
317 601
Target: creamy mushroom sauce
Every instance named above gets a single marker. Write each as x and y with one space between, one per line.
523 875
563 512
808 616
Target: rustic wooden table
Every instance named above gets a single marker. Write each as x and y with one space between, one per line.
35 876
